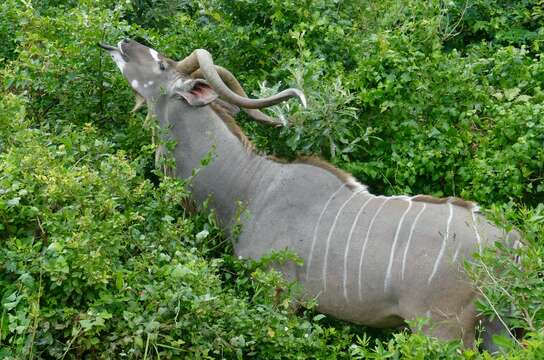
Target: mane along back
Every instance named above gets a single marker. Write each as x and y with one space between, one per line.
346 177
225 115
447 200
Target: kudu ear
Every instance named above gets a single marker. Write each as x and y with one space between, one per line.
197 92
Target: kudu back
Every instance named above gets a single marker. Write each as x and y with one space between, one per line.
372 260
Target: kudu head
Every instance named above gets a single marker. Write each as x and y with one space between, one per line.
151 75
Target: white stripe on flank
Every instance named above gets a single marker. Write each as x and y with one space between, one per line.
364 247
457 251
392 255
330 235
345 277
443 247
409 239
475 226
316 228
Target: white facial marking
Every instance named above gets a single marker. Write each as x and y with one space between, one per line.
330 235
316 228
119 46
176 84
134 84
119 61
443 247
364 248
345 277
393 247
154 55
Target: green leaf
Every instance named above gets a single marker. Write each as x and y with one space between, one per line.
318 317
202 235
138 341
86 324
180 271
14 201
503 342
512 93
167 218
119 280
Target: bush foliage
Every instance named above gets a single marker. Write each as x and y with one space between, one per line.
98 259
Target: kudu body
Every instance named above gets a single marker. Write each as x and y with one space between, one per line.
368 259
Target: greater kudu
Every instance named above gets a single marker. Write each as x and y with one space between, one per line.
373 260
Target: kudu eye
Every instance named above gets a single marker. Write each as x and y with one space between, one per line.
162 66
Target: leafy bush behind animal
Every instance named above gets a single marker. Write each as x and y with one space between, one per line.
98 258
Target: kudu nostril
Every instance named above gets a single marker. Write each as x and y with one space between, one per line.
126 40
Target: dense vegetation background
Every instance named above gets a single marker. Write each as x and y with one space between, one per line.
99 260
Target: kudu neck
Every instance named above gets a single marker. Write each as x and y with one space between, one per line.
220 167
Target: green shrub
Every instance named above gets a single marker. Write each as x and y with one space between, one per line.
99 260
8 29
499 21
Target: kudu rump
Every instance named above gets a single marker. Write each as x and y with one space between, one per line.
373 260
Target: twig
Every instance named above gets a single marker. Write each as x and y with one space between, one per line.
449 34
36 316
171 347
496 282
49 106
498 315
101 77
1 322
70 343
146 347
79 160
40 225
217 246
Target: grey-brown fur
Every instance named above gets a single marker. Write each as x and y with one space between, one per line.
369 259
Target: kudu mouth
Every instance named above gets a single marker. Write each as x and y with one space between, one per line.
107 47
118 49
